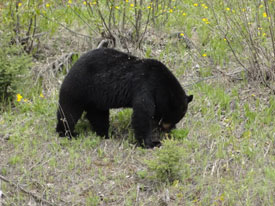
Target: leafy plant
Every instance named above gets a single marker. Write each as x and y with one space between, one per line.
13 67
167 164
180 133
248 30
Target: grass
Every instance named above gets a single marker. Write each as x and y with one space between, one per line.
222 152
228 155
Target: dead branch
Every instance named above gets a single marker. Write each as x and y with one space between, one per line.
37 198
75 33
137 195
57 65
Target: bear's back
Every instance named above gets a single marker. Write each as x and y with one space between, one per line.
107 71
104 59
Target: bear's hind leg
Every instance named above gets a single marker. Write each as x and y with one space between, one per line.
99 121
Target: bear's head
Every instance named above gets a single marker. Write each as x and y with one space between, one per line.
171 107
174 112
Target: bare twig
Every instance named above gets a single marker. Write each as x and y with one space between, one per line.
200 80
77 34
24 39
103 21
137 195
37 198
33 34
216 77
213 168
145 30
225 35
231 75
271 26
83 19
267 150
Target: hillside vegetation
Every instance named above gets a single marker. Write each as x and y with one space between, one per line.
221 153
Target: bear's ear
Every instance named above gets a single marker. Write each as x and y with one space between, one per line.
189 98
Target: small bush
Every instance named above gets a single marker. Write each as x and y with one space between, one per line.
180 133
167 164
13 67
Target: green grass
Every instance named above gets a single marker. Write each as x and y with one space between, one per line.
228 154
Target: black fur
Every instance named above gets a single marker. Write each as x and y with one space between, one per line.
105 78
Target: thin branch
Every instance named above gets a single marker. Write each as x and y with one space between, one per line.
216 77
200 80
37 198
137 195
145 30
224 34
271 26
82 19
103 20
77 34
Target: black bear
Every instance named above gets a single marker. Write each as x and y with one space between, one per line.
106 78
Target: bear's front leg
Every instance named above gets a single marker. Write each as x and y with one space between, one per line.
142 121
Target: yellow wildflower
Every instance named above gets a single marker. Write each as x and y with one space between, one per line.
19 97
227 9
132 5
204 6
264 14
70 2
41 95
181 34
19 4
205 20
183 14
47 5
195 4
204 55
84 2
171 10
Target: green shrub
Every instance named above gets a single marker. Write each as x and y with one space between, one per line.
13 67
180 133
167 164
